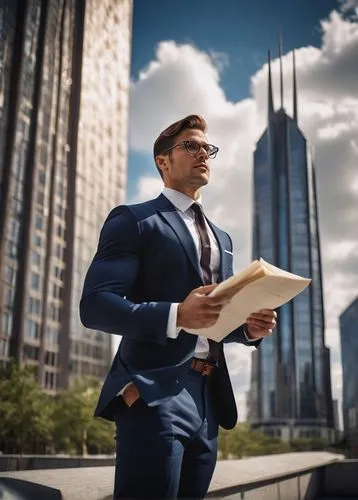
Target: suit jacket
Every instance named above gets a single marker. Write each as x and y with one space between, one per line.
146 260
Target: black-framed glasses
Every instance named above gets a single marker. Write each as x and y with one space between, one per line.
193 148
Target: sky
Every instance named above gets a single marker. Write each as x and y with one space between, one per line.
210 58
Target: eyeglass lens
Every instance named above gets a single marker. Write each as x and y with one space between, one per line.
193 148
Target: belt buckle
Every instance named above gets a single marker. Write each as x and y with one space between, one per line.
206 369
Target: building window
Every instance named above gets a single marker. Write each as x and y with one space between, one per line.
36 259
10 275
31 352
38 221
50 380
32 329
12 250
34 306
8 297
40 198
4 347
60 210
77 347
51 358
37 240
42 177
52 335
56 292
54 312
59 273
60 231
60 190
74 366
59 252
6 323
14 229
35 281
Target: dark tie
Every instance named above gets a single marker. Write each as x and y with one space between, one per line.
205 255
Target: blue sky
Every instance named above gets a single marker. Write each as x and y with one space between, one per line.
243 31
174 73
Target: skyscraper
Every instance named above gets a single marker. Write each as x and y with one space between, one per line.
63 126
348 323
289 395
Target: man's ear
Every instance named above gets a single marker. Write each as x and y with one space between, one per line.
162 162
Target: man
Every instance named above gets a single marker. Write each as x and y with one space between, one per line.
156 264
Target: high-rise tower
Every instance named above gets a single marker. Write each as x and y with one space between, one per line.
348 322
289 395
64 78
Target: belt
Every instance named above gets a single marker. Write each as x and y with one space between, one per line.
203 366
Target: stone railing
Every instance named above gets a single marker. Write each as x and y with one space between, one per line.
30 462
308 476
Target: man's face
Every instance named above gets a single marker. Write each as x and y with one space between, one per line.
182 170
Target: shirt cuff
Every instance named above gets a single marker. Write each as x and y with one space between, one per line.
244 327
172 330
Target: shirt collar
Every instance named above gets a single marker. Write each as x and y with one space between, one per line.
180 200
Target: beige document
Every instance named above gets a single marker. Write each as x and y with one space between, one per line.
259 286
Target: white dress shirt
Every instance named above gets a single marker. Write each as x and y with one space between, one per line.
182 203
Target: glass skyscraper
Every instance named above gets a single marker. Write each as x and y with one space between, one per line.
64 78
290 381
348 323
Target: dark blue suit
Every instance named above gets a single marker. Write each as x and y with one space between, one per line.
146 260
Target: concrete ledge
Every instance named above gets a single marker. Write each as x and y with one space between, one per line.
258 476
31 462
255 471
85 483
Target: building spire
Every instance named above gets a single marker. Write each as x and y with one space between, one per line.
270 97
295 117
281 71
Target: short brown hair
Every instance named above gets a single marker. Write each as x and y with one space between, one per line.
166 138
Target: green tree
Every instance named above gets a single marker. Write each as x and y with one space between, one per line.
25 412
75 429
101 437
309 444
34 422
242 441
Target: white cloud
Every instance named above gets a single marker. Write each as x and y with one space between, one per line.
219 59
148 188
350 6
183 80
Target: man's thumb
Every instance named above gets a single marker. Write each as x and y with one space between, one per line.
207 288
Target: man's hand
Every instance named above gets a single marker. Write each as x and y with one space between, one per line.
261 324
198 310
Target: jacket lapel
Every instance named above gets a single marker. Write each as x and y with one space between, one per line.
168 211
225 258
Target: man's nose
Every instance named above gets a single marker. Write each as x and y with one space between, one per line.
202 153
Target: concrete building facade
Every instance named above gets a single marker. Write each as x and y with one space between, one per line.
63 150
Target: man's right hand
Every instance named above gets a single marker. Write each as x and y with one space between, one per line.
198 310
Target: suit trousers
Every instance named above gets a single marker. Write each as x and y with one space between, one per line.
169 450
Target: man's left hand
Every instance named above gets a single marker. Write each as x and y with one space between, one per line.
261 324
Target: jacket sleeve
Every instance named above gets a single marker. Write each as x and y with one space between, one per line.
239 336
109 280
